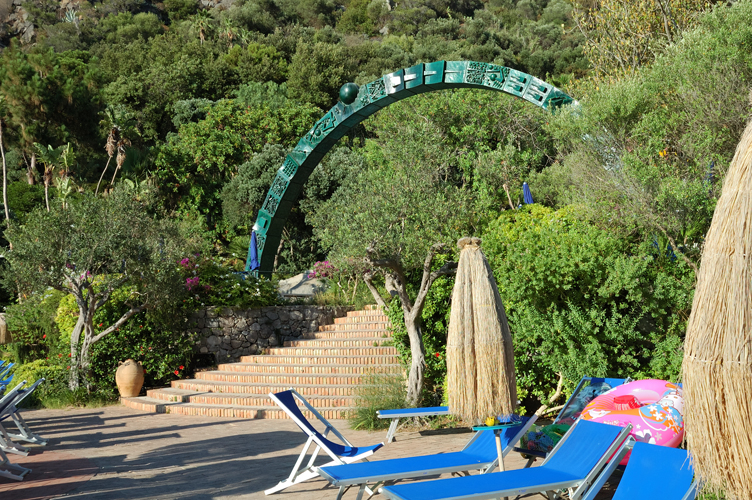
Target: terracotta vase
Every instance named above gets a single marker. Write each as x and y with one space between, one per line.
129 378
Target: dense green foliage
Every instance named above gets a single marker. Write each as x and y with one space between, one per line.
597 278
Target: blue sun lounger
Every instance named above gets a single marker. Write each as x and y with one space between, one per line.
11 411
573 465
8 469
287 400
652 472
396 415
479 453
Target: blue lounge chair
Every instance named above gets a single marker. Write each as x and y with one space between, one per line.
652 472
340 454
573 464
588 386
479 453
11 411
587 389
8 469
396 415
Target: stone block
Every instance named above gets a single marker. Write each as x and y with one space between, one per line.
274 340
255 327
203 350
212 341
296 315
236 344
277 324
227 322
272 315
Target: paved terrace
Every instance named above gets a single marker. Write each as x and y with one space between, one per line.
118 453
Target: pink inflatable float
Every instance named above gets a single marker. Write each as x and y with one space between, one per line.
653 407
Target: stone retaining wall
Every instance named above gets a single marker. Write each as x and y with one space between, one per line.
230 333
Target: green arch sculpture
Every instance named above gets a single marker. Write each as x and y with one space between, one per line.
371 97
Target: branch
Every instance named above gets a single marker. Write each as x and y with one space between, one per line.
125 317
676 248
544 408
429 277
368 280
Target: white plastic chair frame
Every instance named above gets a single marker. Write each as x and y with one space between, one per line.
298 474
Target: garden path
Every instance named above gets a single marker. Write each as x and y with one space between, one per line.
115 453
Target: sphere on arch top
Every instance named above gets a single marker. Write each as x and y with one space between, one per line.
348 92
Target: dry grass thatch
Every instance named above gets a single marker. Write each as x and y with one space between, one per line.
480 357
717 366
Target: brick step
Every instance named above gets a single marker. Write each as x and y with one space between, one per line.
217 398
227 411
321 360
333 343
347 320
346 327
262 388
353 334
331 351
332 369
287 379
363 313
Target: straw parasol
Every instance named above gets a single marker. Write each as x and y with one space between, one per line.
717 367
480 357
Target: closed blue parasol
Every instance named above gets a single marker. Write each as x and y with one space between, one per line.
252 261
527 196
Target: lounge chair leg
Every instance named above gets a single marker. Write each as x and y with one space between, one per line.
25 433
8 446
392 430
16 472
342 490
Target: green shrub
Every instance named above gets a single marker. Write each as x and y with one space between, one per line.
32 321
52 370
378 391
583 301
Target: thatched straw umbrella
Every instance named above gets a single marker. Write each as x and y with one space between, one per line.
480 357
5 336
717 363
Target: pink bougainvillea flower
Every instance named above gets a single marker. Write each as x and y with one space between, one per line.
177 372
181 367
44 336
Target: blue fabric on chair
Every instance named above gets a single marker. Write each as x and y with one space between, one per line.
586 446
288 399
340 454
655 472
479 453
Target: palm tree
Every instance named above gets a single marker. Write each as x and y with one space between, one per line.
49 157
121 125
202 21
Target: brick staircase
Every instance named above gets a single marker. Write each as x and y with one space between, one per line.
325 368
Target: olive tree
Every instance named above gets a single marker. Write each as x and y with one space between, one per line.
94 247
399 211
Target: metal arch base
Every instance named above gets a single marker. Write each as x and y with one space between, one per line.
372 97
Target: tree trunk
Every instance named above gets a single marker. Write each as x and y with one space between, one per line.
5 175
46 192
102 176
31 170
418 355
75 361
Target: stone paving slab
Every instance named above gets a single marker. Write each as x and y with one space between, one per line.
118 453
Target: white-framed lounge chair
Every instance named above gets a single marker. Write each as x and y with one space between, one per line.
340 454
11 411
8 469
652 472
479 453
7 407
572 465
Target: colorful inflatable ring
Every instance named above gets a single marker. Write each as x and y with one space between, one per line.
654 408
